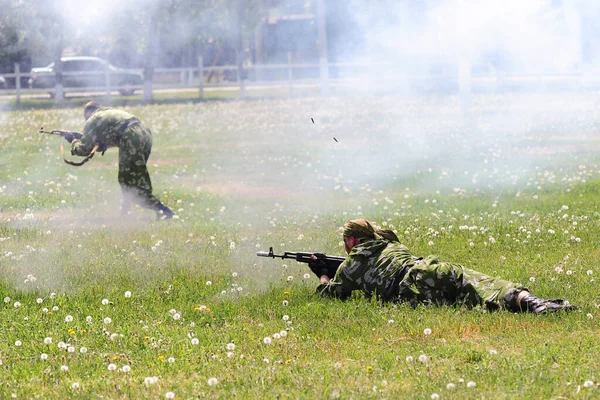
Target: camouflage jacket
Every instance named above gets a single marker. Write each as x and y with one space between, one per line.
375 267
105 127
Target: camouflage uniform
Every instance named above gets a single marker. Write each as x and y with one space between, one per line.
388 270
116 128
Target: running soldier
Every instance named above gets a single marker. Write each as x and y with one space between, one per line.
379 265
107 127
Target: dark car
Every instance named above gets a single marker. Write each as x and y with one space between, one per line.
87 72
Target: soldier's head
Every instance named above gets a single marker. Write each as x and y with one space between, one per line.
359 230
90 108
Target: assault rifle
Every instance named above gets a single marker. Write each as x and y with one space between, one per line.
69 136
323 265
76 135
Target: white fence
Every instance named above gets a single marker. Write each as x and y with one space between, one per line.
287 76
232 76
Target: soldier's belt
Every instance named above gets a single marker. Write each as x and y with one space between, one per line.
127 124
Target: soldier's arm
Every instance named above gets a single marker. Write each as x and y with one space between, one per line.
340 287
82 147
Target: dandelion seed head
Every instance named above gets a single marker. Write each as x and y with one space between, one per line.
75 385
451 386
230 346
112 367
69 318
471 384
427 331
267 340
588 384
423 358
212 381
170 395
104 302
48 340
44 356
409 359
127 294
126 368
195 341
64 368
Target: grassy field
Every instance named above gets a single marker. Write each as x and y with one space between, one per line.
97 306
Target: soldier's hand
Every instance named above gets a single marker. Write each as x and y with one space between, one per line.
68 136
102 148
318 267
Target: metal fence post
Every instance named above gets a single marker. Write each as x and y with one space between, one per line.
201 77
107 83
290 74
240 78
18 82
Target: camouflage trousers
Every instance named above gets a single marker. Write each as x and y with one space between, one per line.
453 284
134 151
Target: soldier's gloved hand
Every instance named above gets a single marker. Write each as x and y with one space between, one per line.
319 267
102 148
68 136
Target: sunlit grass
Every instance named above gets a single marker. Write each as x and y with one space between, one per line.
185 306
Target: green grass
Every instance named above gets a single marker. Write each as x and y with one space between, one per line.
510 191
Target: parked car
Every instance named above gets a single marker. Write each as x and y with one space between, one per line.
86 72
2 82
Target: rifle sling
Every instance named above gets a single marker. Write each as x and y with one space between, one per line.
77 164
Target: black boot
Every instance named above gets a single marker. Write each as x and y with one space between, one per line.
533 304
164 212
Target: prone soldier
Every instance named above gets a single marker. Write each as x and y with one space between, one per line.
378 264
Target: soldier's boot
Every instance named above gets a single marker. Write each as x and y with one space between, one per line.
164 212
533 304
